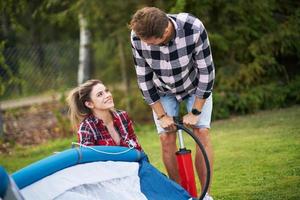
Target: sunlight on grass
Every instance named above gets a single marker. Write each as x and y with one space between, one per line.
257 157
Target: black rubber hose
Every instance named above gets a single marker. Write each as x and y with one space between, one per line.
188 131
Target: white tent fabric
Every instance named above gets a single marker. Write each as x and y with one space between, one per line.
108 180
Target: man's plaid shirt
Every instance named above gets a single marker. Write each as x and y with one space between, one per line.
92 131
182 67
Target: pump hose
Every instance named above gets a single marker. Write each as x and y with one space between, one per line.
188 131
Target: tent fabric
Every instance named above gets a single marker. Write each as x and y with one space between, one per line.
97 172
108 180
156 185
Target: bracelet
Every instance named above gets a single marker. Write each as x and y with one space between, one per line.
160 117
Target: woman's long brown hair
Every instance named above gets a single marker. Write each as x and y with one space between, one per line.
76 101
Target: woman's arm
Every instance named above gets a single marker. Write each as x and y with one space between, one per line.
131 133
85 134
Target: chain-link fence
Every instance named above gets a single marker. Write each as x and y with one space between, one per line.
33 70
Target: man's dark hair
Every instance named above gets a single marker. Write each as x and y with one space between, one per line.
149 22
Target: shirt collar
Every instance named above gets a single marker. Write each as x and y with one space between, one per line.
96 120
175 37
93 119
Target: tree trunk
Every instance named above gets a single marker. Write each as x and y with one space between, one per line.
84 51
125 78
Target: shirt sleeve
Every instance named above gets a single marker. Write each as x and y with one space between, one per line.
85 135
144 76
205 64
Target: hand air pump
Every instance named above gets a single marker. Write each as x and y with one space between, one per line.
185 163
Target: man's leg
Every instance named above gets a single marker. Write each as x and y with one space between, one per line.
169 148
168 139
202 132
203 135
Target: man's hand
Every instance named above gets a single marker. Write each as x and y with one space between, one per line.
167 123
190 120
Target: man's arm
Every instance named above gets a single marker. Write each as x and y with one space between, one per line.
165 120
144 76
198 104
191 119
204 63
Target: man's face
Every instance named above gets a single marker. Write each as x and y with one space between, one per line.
155 41
162 40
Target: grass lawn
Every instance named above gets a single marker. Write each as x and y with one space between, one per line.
256 156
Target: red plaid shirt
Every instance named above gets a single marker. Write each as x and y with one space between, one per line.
92 131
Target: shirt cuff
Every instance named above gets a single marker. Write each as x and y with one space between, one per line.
152 99
202 94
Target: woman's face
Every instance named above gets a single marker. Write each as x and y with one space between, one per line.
101 98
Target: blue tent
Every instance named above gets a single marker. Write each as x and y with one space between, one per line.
97 172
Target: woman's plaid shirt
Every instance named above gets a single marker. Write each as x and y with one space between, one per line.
92 131
182 67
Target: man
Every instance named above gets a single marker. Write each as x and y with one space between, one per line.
174 64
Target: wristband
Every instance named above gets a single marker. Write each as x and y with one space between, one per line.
160 117
196 112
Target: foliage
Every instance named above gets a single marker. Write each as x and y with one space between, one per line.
58 71
29 27
4 69
7 77
255 44
249 45
63 122
268 96
178 7
293 95
140 112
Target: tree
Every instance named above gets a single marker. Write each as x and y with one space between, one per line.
113 28
9 68
84 50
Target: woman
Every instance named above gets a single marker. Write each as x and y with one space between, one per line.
91 105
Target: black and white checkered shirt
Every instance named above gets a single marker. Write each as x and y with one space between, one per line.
182 67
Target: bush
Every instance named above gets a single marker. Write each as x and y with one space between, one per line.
293 96
272 95
139 110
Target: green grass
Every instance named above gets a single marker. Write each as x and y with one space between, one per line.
256 156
